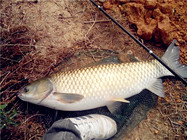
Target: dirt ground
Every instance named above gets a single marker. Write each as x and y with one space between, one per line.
40 37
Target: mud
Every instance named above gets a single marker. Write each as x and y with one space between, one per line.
160 21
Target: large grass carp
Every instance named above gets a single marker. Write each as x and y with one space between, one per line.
102 85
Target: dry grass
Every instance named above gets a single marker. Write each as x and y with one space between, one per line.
33 46
21 64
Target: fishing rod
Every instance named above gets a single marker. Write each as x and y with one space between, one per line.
140 43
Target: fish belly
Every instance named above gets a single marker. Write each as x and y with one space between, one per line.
84 104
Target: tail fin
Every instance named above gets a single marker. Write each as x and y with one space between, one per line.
171 57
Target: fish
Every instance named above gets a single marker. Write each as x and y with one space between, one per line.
102 85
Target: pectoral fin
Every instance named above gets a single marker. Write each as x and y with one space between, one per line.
68 97
116 103
113 106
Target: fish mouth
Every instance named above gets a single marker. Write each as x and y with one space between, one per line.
18 94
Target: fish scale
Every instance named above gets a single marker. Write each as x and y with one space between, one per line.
117 78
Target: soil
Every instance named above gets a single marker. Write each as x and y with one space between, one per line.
39 38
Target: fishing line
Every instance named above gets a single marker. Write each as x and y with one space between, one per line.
137 41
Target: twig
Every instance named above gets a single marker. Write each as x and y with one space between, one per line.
39 135
85 36
8 59
171 122
98 21
11 100
21 45
31 117
5 77
90 28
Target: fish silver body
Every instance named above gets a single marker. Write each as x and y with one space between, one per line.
96 86
102 84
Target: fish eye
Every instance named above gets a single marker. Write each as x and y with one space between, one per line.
26 89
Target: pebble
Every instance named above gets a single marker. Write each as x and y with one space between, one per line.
156 131
180 122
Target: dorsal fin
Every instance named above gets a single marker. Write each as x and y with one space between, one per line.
109 60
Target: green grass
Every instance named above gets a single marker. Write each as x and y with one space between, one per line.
7 117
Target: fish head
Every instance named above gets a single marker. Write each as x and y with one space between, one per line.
36 91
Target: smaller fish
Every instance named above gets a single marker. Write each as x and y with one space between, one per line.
90 127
